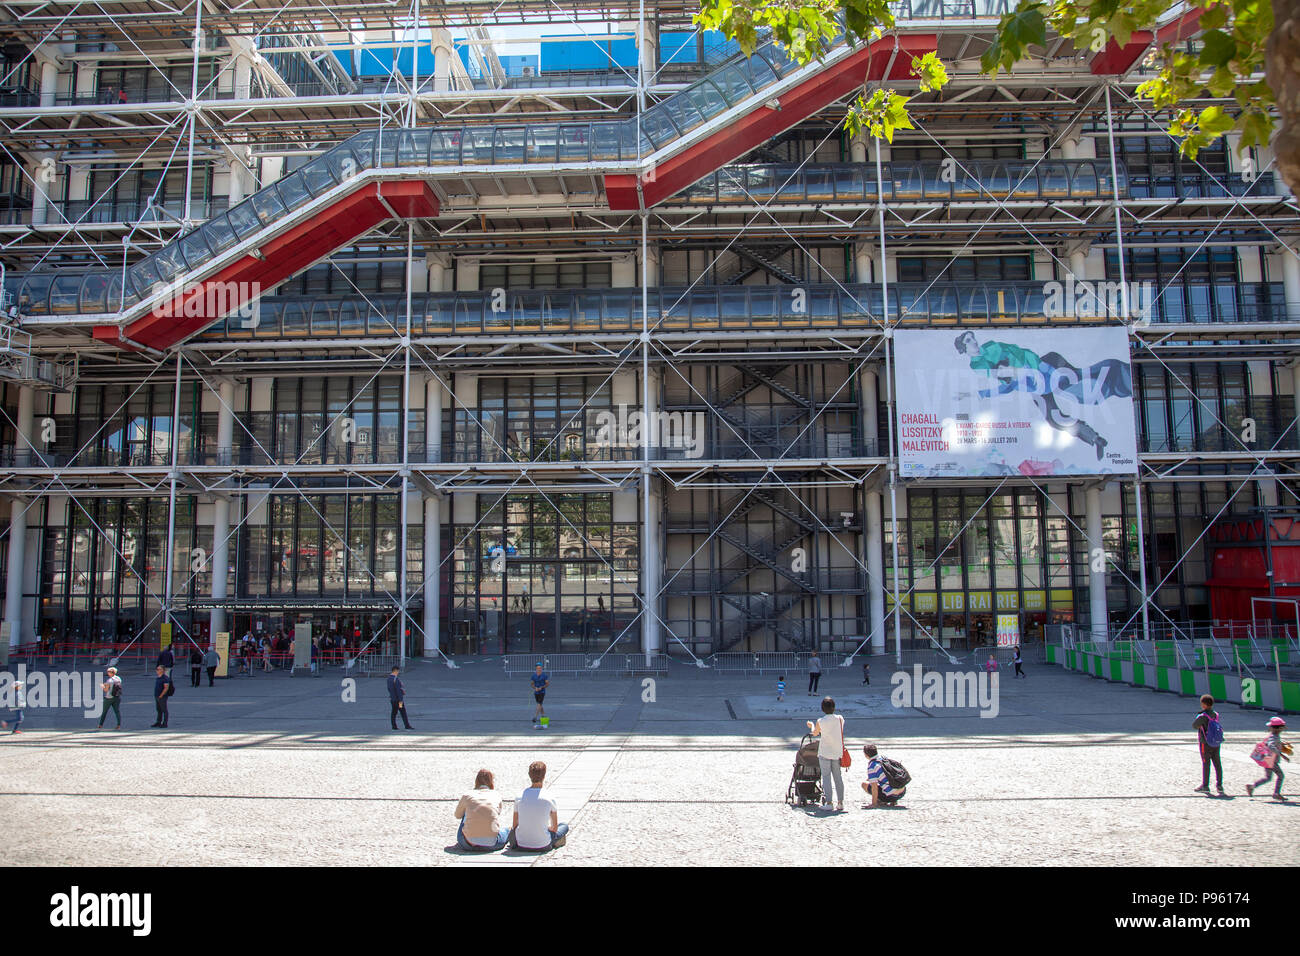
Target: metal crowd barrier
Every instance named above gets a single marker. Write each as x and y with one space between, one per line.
371 665
587 665
770 662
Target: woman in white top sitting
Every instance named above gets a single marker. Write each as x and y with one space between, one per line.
830 728
479 813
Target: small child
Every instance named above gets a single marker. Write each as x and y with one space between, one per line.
20 701
990 665
780 687
1209 734
1268 754
866 673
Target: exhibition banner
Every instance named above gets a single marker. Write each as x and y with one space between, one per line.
1008 630
1013 401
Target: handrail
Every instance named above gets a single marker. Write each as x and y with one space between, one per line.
672 307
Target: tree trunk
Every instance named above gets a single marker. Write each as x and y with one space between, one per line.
1282 69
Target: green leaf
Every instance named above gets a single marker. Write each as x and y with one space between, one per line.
1218 48
931 71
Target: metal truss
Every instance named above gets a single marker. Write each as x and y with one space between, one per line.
160 132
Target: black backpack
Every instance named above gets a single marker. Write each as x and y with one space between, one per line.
171 687
895 773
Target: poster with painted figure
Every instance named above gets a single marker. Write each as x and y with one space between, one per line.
989 402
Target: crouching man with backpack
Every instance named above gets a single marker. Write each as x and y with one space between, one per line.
1209 733
887 779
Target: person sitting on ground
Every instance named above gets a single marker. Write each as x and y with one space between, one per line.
479 813
537 827
877 783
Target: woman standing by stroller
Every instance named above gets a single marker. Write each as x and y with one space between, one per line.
830 729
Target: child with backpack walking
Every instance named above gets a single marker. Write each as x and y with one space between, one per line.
1209 734
1269 753
780 688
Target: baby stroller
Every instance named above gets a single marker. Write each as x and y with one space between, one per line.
806 780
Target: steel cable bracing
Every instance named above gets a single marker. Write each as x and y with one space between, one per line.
81 219
352 553
1113 561
1236 200
885 321
1188 550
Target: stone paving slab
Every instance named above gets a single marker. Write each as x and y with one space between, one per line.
274 770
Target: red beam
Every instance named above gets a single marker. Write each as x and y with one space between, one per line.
761 124
278 258
1116 60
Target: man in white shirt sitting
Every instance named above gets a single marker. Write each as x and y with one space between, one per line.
537 827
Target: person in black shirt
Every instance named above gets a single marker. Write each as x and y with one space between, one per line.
397 698
161 691
196 665
167 660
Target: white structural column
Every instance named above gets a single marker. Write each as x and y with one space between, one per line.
623 271
858 147
49 79
467 273
1070 145
432 518
16 569
649 50
873 524
41 172
1291 282
651 560
221 509
243 75
439 266
863 257
1096 579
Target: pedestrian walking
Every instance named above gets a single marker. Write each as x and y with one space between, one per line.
866 673
211 661
397 698
20 704
1269 754
830 751
780 688
112 687
167 660
540 681
814 673
162 689
1018 660
1209 734
196 666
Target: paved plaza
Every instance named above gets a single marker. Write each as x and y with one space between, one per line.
279 770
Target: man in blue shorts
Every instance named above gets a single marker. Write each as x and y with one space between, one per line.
541 680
